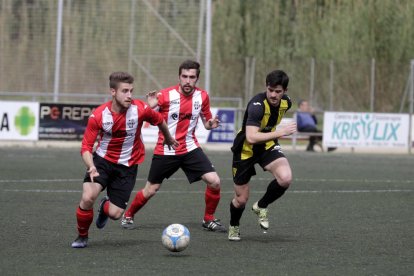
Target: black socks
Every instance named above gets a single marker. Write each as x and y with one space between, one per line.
274 191
235 214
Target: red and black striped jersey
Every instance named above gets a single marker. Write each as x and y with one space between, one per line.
181 113
120 139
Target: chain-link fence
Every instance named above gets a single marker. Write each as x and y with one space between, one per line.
360 86
146 37
150 38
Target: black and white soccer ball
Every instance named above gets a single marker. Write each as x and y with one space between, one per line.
176 237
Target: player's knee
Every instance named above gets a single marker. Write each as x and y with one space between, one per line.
115 214
87 201
151 190
241 200
214 183
285 181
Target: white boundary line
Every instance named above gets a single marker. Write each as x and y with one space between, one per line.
321 180
350 181
230 192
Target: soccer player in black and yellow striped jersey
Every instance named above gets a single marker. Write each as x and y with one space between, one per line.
256 143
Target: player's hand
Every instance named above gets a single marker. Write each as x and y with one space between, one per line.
214 122
93 173
171 143
290 129
152 98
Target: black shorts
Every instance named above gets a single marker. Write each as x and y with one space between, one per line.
119 180
243 170
194 164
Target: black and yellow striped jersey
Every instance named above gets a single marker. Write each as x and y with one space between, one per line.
263 115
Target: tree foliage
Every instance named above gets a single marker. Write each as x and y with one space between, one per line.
284 34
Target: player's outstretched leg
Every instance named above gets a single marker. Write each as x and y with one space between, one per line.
84 220
139 201
212 198
273 192
235 216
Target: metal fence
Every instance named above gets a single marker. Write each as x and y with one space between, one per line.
150 38
82 42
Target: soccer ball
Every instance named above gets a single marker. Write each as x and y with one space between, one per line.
176 237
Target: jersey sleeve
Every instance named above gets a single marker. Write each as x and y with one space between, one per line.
205 109
91 132
151 116
160 98
255 114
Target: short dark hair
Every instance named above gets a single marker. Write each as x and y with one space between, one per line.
277 77
189 64
117 77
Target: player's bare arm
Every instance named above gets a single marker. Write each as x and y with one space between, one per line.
152 98
168 139
253 136
91 169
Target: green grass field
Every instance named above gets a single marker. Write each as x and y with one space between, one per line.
345 214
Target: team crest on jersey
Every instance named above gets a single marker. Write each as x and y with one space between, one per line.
174 116
197 105
131 123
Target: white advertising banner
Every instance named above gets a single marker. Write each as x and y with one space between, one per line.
348 129
19 120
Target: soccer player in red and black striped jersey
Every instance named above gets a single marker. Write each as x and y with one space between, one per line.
181 106
114 164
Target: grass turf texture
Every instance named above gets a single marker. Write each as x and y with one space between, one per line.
345 214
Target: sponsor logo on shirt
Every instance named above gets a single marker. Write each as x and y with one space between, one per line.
122 134
183 116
